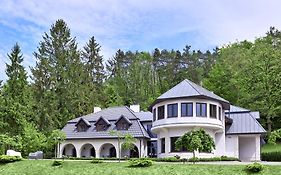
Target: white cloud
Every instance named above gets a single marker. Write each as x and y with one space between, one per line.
137 24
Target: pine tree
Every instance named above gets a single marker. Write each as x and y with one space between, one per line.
17 103
58 77
95 74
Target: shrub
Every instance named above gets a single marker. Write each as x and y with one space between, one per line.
140 163
9 159
254 168
271 156
194 159
57 163
96 161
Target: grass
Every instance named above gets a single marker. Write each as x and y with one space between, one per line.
271 148
44 167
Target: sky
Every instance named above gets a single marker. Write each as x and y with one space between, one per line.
135 24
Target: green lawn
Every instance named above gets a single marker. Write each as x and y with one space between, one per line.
43 167
271 148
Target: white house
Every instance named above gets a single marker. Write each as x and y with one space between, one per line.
236 131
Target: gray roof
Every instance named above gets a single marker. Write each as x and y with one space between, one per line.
244 123
144 116
187 88
111 114
234 109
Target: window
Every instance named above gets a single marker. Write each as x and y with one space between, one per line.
173 110
220 113
82 127
163 145
154 114
161 112
186 109
173 145
201 109
150 133
213 111
101 127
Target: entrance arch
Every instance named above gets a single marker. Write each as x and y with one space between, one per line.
88 150
69 150
107 150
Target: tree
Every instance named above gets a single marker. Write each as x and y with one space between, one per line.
274 136
58 79
32 140
94 71
127 141
16 97
55 139
196 140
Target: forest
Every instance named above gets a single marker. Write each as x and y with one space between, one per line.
67 82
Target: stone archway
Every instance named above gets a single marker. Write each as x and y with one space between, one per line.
107 150
88 150
69 150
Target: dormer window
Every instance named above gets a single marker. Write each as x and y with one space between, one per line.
102 124
82 125
123 123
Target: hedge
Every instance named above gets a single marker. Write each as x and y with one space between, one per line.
271 156
8 159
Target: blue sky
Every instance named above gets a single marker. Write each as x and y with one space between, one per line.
135 24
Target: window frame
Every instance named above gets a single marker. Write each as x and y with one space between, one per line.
162 149
220 113
174 110
187 111
154 114
213 110
201 109
159 117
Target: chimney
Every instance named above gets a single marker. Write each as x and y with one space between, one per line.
135 108
97 109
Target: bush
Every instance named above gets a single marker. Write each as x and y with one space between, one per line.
9 159
271 156
140 163
194 159
254 168
57 163
96 161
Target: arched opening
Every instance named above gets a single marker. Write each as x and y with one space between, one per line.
88 150
133 153
69 151
107 150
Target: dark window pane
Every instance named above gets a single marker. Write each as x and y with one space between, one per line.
154 114
173 110
213 111
219 113
161 112
186 109
163 145
173 145
201 109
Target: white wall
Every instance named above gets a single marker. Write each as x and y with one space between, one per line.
249 148
244 147
231 146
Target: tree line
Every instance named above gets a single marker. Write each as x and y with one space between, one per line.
67 82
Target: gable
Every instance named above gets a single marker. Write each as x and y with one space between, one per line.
123 123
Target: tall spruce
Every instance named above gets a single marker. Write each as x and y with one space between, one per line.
16 104
95 74
58 77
